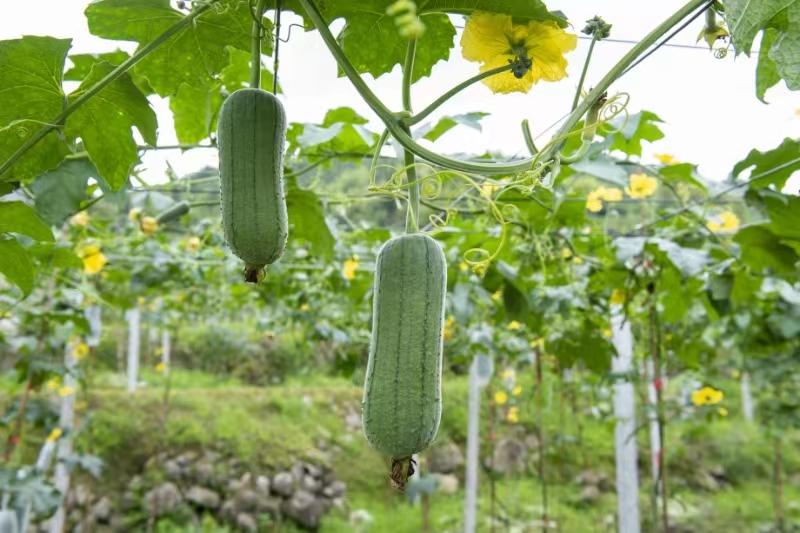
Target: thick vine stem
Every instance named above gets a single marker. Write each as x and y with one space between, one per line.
583 73
257 35
100 85
529 141
419 117
408 73
395 128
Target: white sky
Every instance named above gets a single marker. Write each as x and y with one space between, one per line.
712 115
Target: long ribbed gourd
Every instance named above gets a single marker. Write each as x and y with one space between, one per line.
251 135
402 402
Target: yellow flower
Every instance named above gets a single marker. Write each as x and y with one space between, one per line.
666 159
304 308
494 40
349 268
727 222
513 415
161 367
148 225
721 411
193 244
93 259
463 266
497 295
593 204
65 391
707 396
641 186
566 253
488 189
54 435
134 214
53 384
514 325
617 297
537 343
735 374
80 219
449 327
81 350
500 397
516 391
509 374
595 199
577 260
607 333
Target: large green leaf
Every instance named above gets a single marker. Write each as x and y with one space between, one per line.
762 250
785 53
104 124
373 45
787 156
60 192
307 220
195 55
16 265
82 64
766 70
30 84
194 111
747 17
16 217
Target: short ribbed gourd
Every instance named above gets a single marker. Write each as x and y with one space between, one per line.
251 134
402 402
173 213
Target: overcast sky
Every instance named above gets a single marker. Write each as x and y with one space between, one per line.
711 114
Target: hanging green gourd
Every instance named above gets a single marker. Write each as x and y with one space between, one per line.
251 134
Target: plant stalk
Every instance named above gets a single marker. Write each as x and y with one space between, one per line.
255 46
583 73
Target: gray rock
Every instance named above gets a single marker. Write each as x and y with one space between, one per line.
311 484
204 473
589 494
203 497
228 510
246 500
304 509
269 505
173 470
283 484
262 484
509 456
532 441
162 499
446 483
335 489
445 459
246 522
101 510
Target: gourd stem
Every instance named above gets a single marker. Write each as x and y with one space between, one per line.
583 73
408 72
412 215
255 47
100 85
419 117
392 122
373 167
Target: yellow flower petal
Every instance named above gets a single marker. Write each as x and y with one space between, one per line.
54 435
349 268
641 186
148 225
161 367
514 326
66 390
516 391
486 36
666 159
508 373
546 44
500 397
617 297
81 350
594 205
193 244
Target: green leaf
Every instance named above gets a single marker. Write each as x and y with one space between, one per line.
60 192
762 250
194 55
746 18
604 168
30 77
194 110
82 64
787 154
682 172
785 53
104 124
47 154
766 70
16 265
16 217
445 124
55 256
373 45
628 132
784 213
307 219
